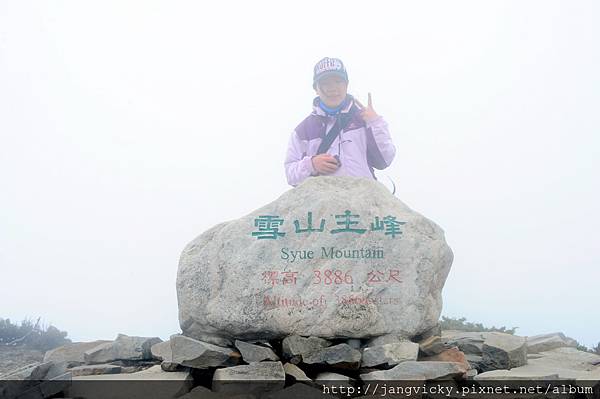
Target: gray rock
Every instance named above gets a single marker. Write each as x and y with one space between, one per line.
435 331
36 371
328 376
562 364
527 372
467 342
201 392
517 377
95 369
224 284
197 354
71 354
294 346
432 346
390 354
338 356
385 339
175 384
503 351
162 351
57 371
154 373
531 356
296 372
530 374
471 373
417 371
261 342
298 391
35 381
488 351
122 348
49 388
170 366
255 378
354 343
474 361
546 342
334 380
255 353
568 358
136 367
214 339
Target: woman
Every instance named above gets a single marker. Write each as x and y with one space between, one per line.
341 137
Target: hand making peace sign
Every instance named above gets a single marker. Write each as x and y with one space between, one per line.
368 114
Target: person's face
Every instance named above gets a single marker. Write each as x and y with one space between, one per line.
332 90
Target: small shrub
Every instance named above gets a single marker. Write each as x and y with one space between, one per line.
461 324
8 331
582 347
32 335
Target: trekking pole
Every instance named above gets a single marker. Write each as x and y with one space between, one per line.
393 185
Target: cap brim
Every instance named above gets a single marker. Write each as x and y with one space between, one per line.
331 73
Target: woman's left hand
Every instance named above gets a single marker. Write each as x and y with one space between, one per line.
367 113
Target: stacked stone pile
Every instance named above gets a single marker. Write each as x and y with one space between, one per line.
302 366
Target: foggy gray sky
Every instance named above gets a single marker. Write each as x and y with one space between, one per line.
129 128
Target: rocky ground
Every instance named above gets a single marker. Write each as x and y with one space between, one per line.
301 366
13 357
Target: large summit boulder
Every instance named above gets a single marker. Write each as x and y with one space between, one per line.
334 257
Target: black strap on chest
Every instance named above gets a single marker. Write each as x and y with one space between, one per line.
341 121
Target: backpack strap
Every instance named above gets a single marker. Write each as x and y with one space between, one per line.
340 124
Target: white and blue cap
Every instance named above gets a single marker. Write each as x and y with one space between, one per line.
329 66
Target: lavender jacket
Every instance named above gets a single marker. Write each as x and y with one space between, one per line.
361 146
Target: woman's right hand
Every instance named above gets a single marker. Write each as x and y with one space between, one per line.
325 164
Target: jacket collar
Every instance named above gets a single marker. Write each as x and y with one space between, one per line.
318 111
